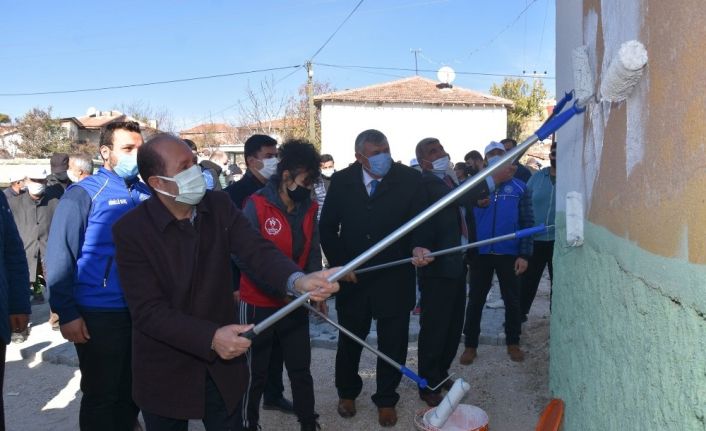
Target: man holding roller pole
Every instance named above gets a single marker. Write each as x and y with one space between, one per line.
508 207
365 202
173 256
443 282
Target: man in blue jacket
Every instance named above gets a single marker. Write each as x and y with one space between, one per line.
507 210
83 280
14 279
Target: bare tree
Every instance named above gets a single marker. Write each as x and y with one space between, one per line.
145 113
41 134
297 113
262 106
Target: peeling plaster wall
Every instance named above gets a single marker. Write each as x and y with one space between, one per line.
628 330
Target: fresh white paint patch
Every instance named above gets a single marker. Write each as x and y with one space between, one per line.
622 21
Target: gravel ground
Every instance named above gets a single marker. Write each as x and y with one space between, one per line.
41 395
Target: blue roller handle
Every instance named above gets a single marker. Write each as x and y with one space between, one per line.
560 106
522 233
555 123
421 382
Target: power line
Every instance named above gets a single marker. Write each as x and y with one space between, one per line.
336 31
145 84
403 69
507 27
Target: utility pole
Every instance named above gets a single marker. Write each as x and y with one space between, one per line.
310 97
415 52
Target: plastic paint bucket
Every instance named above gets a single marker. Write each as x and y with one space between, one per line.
465 418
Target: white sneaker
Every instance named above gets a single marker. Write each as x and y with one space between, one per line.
496 304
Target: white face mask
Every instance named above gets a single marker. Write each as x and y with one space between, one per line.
327 172
269 167
191 184
441 165
35 189
72 177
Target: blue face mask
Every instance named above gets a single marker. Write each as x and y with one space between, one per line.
493 160
127 166
380 164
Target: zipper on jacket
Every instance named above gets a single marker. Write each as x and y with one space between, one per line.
107 271
495 213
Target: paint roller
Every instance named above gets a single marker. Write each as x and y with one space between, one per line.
522 233
620 78
420 381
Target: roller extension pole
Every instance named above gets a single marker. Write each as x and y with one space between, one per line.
542 133
515 235
422 383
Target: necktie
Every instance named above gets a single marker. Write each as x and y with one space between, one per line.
373 186
461 221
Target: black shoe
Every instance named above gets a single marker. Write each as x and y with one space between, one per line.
310 426
282 404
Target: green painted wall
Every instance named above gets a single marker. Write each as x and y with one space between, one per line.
628 336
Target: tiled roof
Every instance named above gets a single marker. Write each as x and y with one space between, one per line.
7 130
416 90
276 124
209 128
102 119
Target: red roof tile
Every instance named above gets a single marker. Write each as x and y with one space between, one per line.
209 128
416 90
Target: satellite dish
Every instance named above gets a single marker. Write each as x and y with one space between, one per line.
91 111
446 75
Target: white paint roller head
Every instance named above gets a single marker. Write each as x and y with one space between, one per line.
622 75
438 416
624 71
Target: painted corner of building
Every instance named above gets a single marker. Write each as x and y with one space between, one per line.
628 328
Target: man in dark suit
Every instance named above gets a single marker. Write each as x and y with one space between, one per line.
365 202
443 282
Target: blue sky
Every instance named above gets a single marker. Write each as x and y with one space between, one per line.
47 46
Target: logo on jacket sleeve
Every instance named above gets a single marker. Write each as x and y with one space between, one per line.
273 226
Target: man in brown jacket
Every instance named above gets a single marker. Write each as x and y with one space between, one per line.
173 255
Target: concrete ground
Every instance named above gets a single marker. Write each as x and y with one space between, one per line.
42 391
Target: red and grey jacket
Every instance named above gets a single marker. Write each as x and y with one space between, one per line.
275 227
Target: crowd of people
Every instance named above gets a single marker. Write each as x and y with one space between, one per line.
157 267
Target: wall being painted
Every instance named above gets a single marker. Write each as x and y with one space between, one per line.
460 129
628 329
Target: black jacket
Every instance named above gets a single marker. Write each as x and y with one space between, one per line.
33 219
243 188
443 231
352 222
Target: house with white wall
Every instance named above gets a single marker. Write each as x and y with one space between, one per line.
407 111
9 141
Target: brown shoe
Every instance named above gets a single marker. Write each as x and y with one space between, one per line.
346 408
432 399
387 416
468 356
515 353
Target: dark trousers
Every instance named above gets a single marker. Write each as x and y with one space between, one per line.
393 334
274 387
216 417
3 350
443 302
293 334
541 258
482 270
106 374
